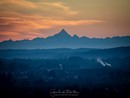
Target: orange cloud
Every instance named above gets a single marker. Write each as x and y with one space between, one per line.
34 23
21 19
32 26
54 9
61 6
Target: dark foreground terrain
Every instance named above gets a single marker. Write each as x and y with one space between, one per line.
88 76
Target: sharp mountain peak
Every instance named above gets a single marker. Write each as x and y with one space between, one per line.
63 33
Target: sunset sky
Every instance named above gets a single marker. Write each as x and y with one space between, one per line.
27 19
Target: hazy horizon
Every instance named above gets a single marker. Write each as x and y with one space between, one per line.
67 33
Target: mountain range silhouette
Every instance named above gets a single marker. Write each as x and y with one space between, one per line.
64 40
